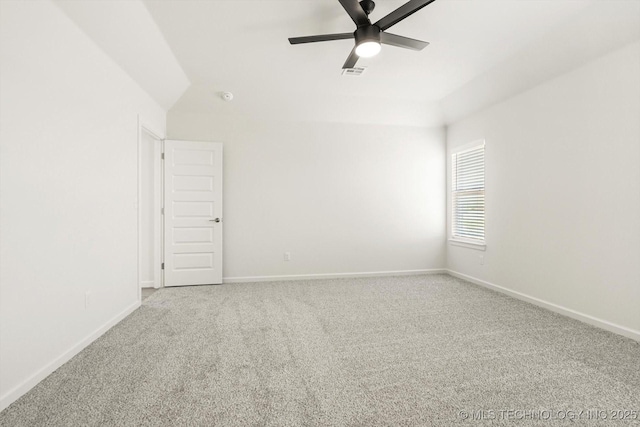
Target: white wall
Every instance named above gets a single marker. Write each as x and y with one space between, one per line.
341 198
68 190
563 191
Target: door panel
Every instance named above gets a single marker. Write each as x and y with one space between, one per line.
193 202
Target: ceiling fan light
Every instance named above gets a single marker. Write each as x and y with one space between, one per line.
368 49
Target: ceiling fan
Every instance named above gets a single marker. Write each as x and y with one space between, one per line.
368 36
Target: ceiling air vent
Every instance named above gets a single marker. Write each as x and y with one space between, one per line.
356 71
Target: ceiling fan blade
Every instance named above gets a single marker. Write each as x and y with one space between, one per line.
400 41
351 60
402 12
320 38
356 12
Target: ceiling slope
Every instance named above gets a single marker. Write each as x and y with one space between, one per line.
126 32
598 29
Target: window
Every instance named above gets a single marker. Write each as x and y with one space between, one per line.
467 194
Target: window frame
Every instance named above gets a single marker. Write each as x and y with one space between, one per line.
457 240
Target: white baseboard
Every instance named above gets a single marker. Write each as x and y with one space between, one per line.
15 393
586 318
147 284
331 275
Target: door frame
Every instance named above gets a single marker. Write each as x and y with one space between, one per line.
145 127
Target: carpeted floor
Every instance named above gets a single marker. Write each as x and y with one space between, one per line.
412 351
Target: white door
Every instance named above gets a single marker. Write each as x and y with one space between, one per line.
193 213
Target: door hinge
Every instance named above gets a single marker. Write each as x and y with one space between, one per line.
161 211
162 266
162 156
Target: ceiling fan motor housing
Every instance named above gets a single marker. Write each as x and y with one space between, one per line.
370 33
367 6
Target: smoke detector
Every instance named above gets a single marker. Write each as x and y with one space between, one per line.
227 96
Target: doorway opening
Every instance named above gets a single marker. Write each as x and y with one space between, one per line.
187 177
150 241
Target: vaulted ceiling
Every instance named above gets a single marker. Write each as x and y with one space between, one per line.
241 46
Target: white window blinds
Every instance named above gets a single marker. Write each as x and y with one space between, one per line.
468 193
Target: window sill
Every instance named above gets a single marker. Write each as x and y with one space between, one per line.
467 244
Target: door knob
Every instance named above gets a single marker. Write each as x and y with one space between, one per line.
215 220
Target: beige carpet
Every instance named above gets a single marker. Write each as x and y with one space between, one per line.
422 350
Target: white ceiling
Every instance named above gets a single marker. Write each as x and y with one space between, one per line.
127 33
241 46
595 31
